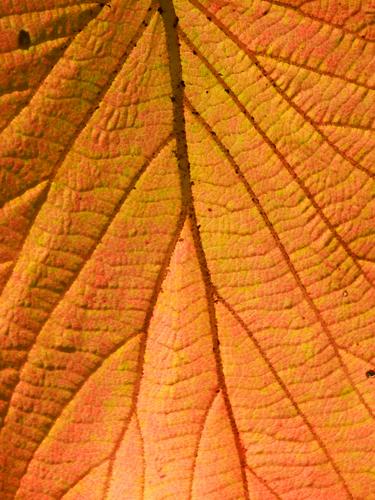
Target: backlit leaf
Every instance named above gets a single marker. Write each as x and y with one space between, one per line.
187 249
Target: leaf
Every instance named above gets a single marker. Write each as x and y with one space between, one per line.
187 249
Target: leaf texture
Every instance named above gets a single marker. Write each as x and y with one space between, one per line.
187 249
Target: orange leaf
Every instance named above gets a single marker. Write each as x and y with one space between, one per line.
187 249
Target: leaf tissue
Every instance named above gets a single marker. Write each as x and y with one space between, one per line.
187 249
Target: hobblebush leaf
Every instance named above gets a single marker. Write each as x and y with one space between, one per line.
187 249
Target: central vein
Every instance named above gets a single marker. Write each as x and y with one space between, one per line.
173 45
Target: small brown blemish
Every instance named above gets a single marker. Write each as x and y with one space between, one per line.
66 348
370 373
24 40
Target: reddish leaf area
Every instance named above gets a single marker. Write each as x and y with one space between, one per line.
187 249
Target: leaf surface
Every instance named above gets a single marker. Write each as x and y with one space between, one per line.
187 249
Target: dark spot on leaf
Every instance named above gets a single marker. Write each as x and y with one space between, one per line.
173 99
227 91
370 373
24 41
66 348
175 22
160 10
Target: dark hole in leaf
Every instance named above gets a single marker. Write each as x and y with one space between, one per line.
24 41
370 373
